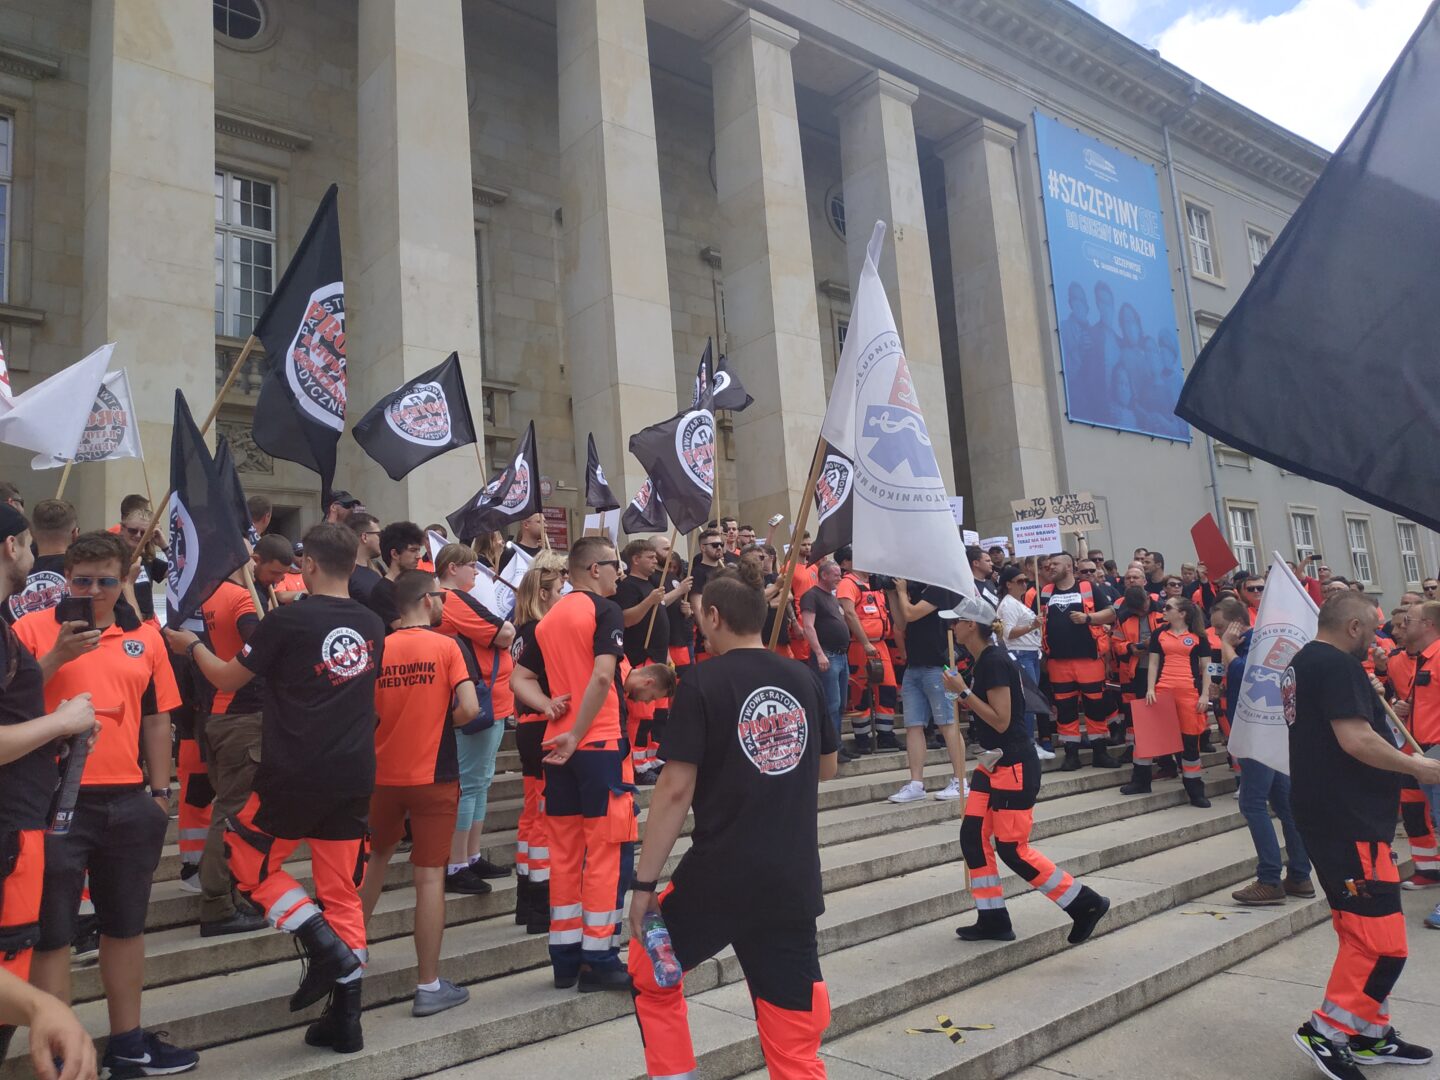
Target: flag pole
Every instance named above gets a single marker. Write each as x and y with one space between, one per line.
950 641
248 571
664 572
1395 719
144 470
792 557
64 477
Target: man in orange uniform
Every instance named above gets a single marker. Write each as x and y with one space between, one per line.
806 578
867 613
417 772
319 659
1420 808
1077 673
588 805
118 831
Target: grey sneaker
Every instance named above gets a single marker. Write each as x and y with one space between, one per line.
430 1002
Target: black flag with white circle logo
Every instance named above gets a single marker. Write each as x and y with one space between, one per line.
679 456
728 391
834 507
598 495
206 539
645 513
511 496
421 420
301 409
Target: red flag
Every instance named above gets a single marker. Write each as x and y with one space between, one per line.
1211 548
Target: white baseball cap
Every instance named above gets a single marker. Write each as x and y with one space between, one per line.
971 609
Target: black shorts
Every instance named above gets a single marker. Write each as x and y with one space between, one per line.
117 837
313 816
529 734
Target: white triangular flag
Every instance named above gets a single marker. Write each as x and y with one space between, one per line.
902 521
112 430
50 417
434 541
7 396
1285 623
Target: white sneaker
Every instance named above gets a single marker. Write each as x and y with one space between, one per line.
914 791
1043 754
190 878
951 790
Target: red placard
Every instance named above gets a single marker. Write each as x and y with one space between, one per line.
557 527
1157 727
1211 548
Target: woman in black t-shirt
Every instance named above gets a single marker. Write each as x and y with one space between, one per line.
1001 802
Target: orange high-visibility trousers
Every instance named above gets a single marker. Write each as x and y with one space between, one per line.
1077 684
999 814
20 903
1419 828
196 799
532 835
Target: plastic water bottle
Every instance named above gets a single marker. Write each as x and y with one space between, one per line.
950 695
660 951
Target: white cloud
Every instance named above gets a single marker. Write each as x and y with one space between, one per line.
1117 13
1310 69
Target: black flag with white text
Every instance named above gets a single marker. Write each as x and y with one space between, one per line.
421 420
834 506
645 512
509 497
598 495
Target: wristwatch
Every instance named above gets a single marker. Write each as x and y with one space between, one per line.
160 793
644 886
964 694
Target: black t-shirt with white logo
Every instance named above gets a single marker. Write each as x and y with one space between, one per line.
44 588
1066 640
633 590
754 724
995 670
28 783
926 640
320 660
1329 789
682 626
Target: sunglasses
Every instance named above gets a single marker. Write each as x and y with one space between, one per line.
1084 570
614 564
1255 588
86 582
712 544
133 532
1431 588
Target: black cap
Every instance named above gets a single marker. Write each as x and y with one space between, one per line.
344 498
12 521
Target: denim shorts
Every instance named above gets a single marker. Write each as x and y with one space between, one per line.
922 696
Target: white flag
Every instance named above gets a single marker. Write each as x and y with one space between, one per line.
50 417
1285 623
902 521
434 541
111 431
7 396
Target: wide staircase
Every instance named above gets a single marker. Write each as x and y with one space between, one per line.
903 988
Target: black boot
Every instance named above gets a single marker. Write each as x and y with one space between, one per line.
339 1025
1139 781
992 925
1100 758
327 961
1072 758
522 900
1195 788
539 922
1086 910
1207 746
1167 769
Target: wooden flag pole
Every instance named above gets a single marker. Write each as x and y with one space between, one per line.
144 470
274 600
1395 719
960 738
664 573
792 557
248 571
64 478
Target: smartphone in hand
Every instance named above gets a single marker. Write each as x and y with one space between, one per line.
77 609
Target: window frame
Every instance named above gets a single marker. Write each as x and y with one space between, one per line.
1212 242
1372 582
7 184
1255 564
1266 235
1312 514
228 229
1400 525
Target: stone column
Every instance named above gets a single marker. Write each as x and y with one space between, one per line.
771 319
1002 361
881 169
615 292
416 298
149 227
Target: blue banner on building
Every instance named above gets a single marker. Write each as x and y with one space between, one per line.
1119 347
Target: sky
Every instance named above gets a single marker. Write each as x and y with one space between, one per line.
1308 65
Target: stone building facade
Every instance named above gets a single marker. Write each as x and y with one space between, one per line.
576 194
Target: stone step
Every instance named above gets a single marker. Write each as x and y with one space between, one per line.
521 1008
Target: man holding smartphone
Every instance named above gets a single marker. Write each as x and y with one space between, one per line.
118 830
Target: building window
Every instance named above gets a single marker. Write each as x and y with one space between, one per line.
842 330
835 210
1202 247
1358 531
7 142
241 20
244 251
1302 531
1259 246
1245 537
1409 537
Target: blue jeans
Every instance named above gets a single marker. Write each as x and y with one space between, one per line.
922 695
1030 661
1261 785
835 680
477 770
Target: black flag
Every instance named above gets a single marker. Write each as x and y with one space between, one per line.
834 506
645 512
301 409
679 456
729 394
510 497
229 479
206 544
423 419
598 495
1344 305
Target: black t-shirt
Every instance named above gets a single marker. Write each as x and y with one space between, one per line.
1329 789
1065 640
525 639
43 589
994 669
320 660
926 640
1156 589
376 592
830 625
702 573
771 611
152 571
682 626
28 783
633 590
754 724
